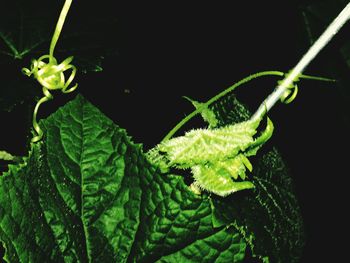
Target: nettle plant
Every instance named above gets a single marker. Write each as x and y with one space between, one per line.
87 193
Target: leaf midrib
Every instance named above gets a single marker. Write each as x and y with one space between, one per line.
86 233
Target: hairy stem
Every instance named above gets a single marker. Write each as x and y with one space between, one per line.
218 96
319 44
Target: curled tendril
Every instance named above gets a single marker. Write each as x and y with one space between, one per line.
50 74
291 92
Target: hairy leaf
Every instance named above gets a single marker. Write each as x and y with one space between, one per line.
203 145
6 156
217 156
87 194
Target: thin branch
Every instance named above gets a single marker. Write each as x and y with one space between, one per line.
322 41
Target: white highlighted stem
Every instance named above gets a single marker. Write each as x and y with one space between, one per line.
327 35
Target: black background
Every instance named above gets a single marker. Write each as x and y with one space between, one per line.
167 50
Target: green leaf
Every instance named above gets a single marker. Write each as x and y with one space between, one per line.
217 156
207 115
88 194
199 146
270 216
6 156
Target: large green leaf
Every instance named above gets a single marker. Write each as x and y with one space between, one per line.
88 194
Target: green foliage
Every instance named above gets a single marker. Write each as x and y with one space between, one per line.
200 146
271 180
217 157
6 156
86 193
207 114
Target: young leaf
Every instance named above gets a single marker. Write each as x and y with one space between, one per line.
207 114
202 145
217 156
6 156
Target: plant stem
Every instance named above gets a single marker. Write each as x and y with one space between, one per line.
59 27
217 97
319 44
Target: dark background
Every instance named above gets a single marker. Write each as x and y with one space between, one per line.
167 50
